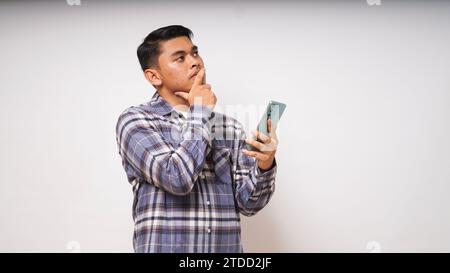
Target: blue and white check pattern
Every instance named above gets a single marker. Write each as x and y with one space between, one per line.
190 179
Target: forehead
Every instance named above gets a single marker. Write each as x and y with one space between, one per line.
180 43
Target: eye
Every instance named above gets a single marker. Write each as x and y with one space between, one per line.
195 53
180 58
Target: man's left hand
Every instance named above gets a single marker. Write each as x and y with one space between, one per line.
266 146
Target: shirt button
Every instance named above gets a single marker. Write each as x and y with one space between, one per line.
208 230
208 203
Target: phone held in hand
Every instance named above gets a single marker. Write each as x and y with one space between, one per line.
274 111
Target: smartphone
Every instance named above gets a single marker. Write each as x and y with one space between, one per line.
274 111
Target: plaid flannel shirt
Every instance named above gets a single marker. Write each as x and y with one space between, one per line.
189 177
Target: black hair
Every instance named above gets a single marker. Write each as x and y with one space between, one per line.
149 51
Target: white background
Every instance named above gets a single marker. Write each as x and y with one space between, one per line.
364 154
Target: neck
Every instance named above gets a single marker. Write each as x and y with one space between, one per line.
175 101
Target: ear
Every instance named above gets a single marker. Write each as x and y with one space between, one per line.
153 76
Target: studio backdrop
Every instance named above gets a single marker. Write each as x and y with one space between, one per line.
364 151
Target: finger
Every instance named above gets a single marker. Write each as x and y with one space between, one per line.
257 155
261 136
269 147
184 95
254 143
271 129
200 78
274 136
204 76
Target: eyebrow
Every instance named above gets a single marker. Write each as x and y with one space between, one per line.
194 48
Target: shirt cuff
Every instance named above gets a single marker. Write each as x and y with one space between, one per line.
199 117
200 114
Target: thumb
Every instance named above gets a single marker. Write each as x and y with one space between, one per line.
183 95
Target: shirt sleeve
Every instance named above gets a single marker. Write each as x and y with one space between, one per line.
254 187
173 169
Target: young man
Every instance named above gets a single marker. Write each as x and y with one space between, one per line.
190 173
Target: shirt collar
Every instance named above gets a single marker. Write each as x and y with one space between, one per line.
159 105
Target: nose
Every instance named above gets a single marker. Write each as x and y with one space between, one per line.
196 62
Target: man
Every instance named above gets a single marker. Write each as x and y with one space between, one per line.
190 173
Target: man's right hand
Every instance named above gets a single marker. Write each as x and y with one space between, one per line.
200 92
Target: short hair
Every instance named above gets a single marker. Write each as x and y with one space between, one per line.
148 52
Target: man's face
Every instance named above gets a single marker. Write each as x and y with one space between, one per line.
179 62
